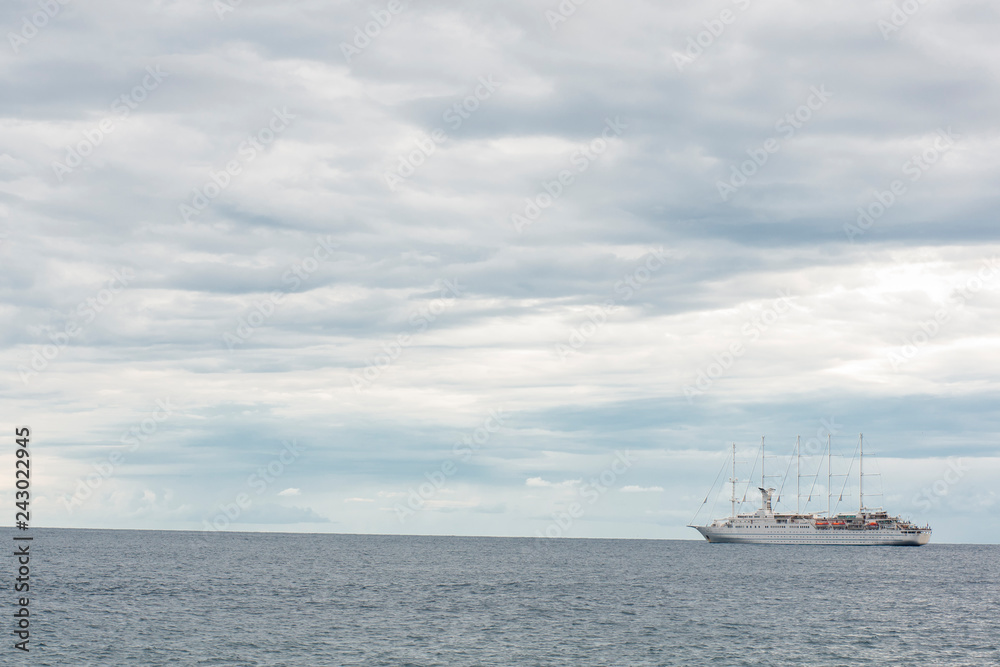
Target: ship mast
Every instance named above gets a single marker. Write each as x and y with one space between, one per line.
733 480
861 473
765 497
798 476
762 462
829 475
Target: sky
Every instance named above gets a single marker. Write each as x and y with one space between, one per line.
518 268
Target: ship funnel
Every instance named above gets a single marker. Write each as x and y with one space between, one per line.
765 498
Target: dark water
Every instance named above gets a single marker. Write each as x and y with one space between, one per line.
162 598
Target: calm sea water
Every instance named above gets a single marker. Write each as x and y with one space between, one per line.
167 598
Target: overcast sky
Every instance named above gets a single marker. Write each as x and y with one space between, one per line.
497 268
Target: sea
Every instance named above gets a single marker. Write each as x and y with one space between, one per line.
119 597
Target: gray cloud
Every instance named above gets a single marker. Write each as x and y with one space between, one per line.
855 302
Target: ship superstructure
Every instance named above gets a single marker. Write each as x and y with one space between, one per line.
866 526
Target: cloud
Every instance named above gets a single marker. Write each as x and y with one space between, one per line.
539 482
290 492
268 514
641 489
301 252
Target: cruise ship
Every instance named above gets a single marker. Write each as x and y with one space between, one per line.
866 526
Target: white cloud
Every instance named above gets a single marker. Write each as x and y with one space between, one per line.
854 304
539 482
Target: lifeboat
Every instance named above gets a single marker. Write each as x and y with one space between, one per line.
836 523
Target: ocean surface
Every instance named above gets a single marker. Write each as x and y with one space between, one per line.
174 598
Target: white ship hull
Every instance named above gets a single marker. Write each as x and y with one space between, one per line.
811 535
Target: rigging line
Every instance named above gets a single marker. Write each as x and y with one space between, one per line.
847 476
815 477
750 478
881 487
715 503
702 506
789 467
